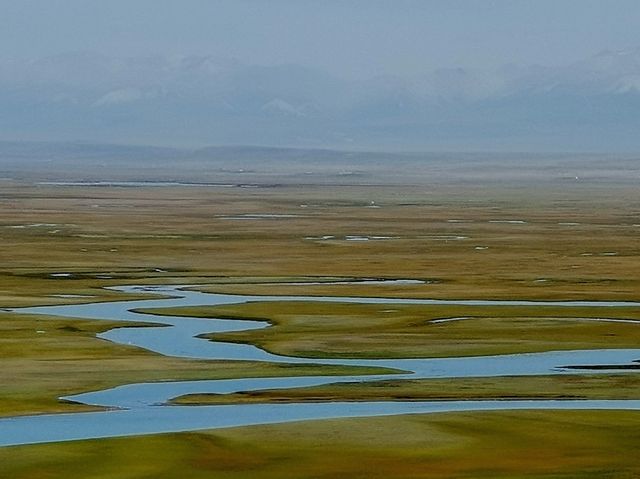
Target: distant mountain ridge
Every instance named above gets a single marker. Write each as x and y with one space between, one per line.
593 104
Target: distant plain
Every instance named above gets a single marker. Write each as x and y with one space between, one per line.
541 228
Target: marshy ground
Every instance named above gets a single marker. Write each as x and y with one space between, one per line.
385 331
557 239
528 444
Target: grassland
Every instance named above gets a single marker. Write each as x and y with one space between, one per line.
547 240
596 386
44 358
353 330
569 240
523 444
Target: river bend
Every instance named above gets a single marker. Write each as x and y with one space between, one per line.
141 408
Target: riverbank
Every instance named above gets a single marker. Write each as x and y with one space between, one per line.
46 357
317 329
492 445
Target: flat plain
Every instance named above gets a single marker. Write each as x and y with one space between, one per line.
562 233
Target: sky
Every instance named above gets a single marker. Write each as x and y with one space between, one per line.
348 38
543 75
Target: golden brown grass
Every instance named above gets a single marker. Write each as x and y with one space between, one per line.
354 330
44 358
128 232
517 444
576 241
596 386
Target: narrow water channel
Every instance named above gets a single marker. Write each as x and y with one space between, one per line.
140 408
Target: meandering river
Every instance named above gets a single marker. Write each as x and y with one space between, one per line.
140 408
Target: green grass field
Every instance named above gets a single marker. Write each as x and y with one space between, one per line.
493 445
351 330
584 386
44 358
548 241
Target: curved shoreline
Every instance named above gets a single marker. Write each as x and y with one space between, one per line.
141 409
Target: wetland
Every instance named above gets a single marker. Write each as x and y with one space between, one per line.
529 279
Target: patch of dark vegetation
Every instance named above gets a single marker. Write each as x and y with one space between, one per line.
69 328
602 367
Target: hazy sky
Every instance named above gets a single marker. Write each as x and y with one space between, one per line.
351 38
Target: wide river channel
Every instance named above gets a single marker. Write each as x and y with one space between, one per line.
141 408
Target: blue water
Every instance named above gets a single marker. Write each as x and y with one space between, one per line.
141 409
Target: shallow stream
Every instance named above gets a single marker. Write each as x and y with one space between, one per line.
141 408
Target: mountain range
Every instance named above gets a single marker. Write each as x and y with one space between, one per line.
590 105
